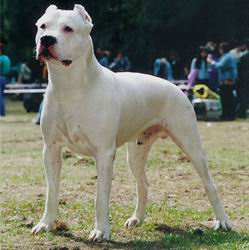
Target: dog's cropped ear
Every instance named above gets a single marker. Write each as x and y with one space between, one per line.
51 7
86 18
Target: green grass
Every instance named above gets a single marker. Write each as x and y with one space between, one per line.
178 213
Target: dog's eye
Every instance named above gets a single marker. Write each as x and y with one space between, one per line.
68 29
43 26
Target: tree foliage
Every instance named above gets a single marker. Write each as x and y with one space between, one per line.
143 29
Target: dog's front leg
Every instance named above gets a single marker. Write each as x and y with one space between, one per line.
104 162
52 162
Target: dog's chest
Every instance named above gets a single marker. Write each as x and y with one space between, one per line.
74 136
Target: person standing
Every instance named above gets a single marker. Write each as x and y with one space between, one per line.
163 69
25 75
5 68
104 59
2 97
167 72
243 82
37 119
5 63
176 66
200 66
156 66
227 68
213 54
120 64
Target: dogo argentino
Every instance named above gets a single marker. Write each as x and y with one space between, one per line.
93 111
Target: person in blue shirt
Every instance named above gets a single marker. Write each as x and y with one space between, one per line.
5 64
163 69
5 68
213 54
200 63
228 73
156 66
104 60
120 64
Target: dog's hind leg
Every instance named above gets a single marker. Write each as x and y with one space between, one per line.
183 131
137 153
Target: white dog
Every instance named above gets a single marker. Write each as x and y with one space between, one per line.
93 111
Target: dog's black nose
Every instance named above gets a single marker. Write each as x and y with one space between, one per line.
48 41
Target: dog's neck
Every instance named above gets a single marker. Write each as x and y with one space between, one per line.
78 74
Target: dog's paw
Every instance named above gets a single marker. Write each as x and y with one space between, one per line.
42 226
222 225
99 236
132 222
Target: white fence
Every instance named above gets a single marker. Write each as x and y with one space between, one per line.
19 88
33 88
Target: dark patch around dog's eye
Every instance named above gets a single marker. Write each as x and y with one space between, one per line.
43 26
68 29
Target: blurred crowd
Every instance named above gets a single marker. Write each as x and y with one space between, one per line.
223 69
120 63
26 72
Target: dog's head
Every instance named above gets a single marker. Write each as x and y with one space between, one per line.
62 34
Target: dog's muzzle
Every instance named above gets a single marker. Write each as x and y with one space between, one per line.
46 50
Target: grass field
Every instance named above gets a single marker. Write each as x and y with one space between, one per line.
178 213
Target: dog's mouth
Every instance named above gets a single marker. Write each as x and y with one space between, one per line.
46 54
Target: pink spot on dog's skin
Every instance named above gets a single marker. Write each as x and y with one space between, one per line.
157 130
152 132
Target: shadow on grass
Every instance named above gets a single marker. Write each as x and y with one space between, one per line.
173 238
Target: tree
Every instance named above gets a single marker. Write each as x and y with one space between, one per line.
143 29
